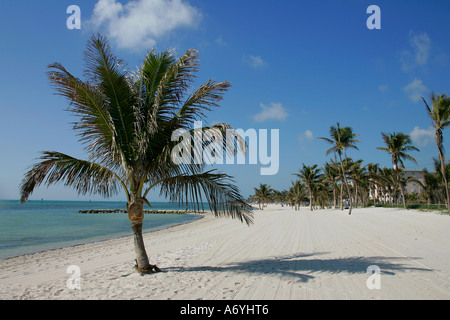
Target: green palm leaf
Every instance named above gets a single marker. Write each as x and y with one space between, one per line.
217 188
84 176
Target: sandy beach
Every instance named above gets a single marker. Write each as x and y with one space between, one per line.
285 255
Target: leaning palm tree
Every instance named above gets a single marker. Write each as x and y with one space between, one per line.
397 145
439 112
310 176
342 139
127 124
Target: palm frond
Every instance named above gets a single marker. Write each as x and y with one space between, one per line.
203 99
95 126
429 112
165 81
84 176
406 156
109 74
219 190
397 144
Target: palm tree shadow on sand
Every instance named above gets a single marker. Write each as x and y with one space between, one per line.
302 267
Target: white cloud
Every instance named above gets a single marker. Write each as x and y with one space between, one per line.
276 111
419 53
415 90
255 61
422 137
309 135
139 23
306 136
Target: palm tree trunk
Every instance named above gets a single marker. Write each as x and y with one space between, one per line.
400 185
348 188
334 197
135 211
310 199
139 246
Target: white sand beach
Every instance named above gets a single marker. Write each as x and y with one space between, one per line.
285 255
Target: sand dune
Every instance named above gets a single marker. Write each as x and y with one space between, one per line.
286 254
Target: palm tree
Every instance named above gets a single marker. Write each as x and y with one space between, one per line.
296 194
397 145
431 186
441 178
126 122
331 175
439 112
277 196
342 139
373 170
309 175
434 182
358 174
263 194
322 192
389 183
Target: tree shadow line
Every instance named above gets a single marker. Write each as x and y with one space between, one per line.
302 267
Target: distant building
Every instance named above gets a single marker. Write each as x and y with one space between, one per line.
412 186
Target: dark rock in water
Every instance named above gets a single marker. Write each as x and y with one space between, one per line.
100 211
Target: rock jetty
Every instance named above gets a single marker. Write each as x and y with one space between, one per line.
100 211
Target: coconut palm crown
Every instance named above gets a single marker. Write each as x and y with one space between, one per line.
263 194
398 145
126 122
310 176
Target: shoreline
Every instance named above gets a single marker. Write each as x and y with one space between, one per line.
93 240
284 255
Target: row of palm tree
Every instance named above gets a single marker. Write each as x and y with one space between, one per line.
370 181
343 138
323 187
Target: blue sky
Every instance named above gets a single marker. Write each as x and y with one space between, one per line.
297 66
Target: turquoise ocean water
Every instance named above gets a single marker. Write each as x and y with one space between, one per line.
45 225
